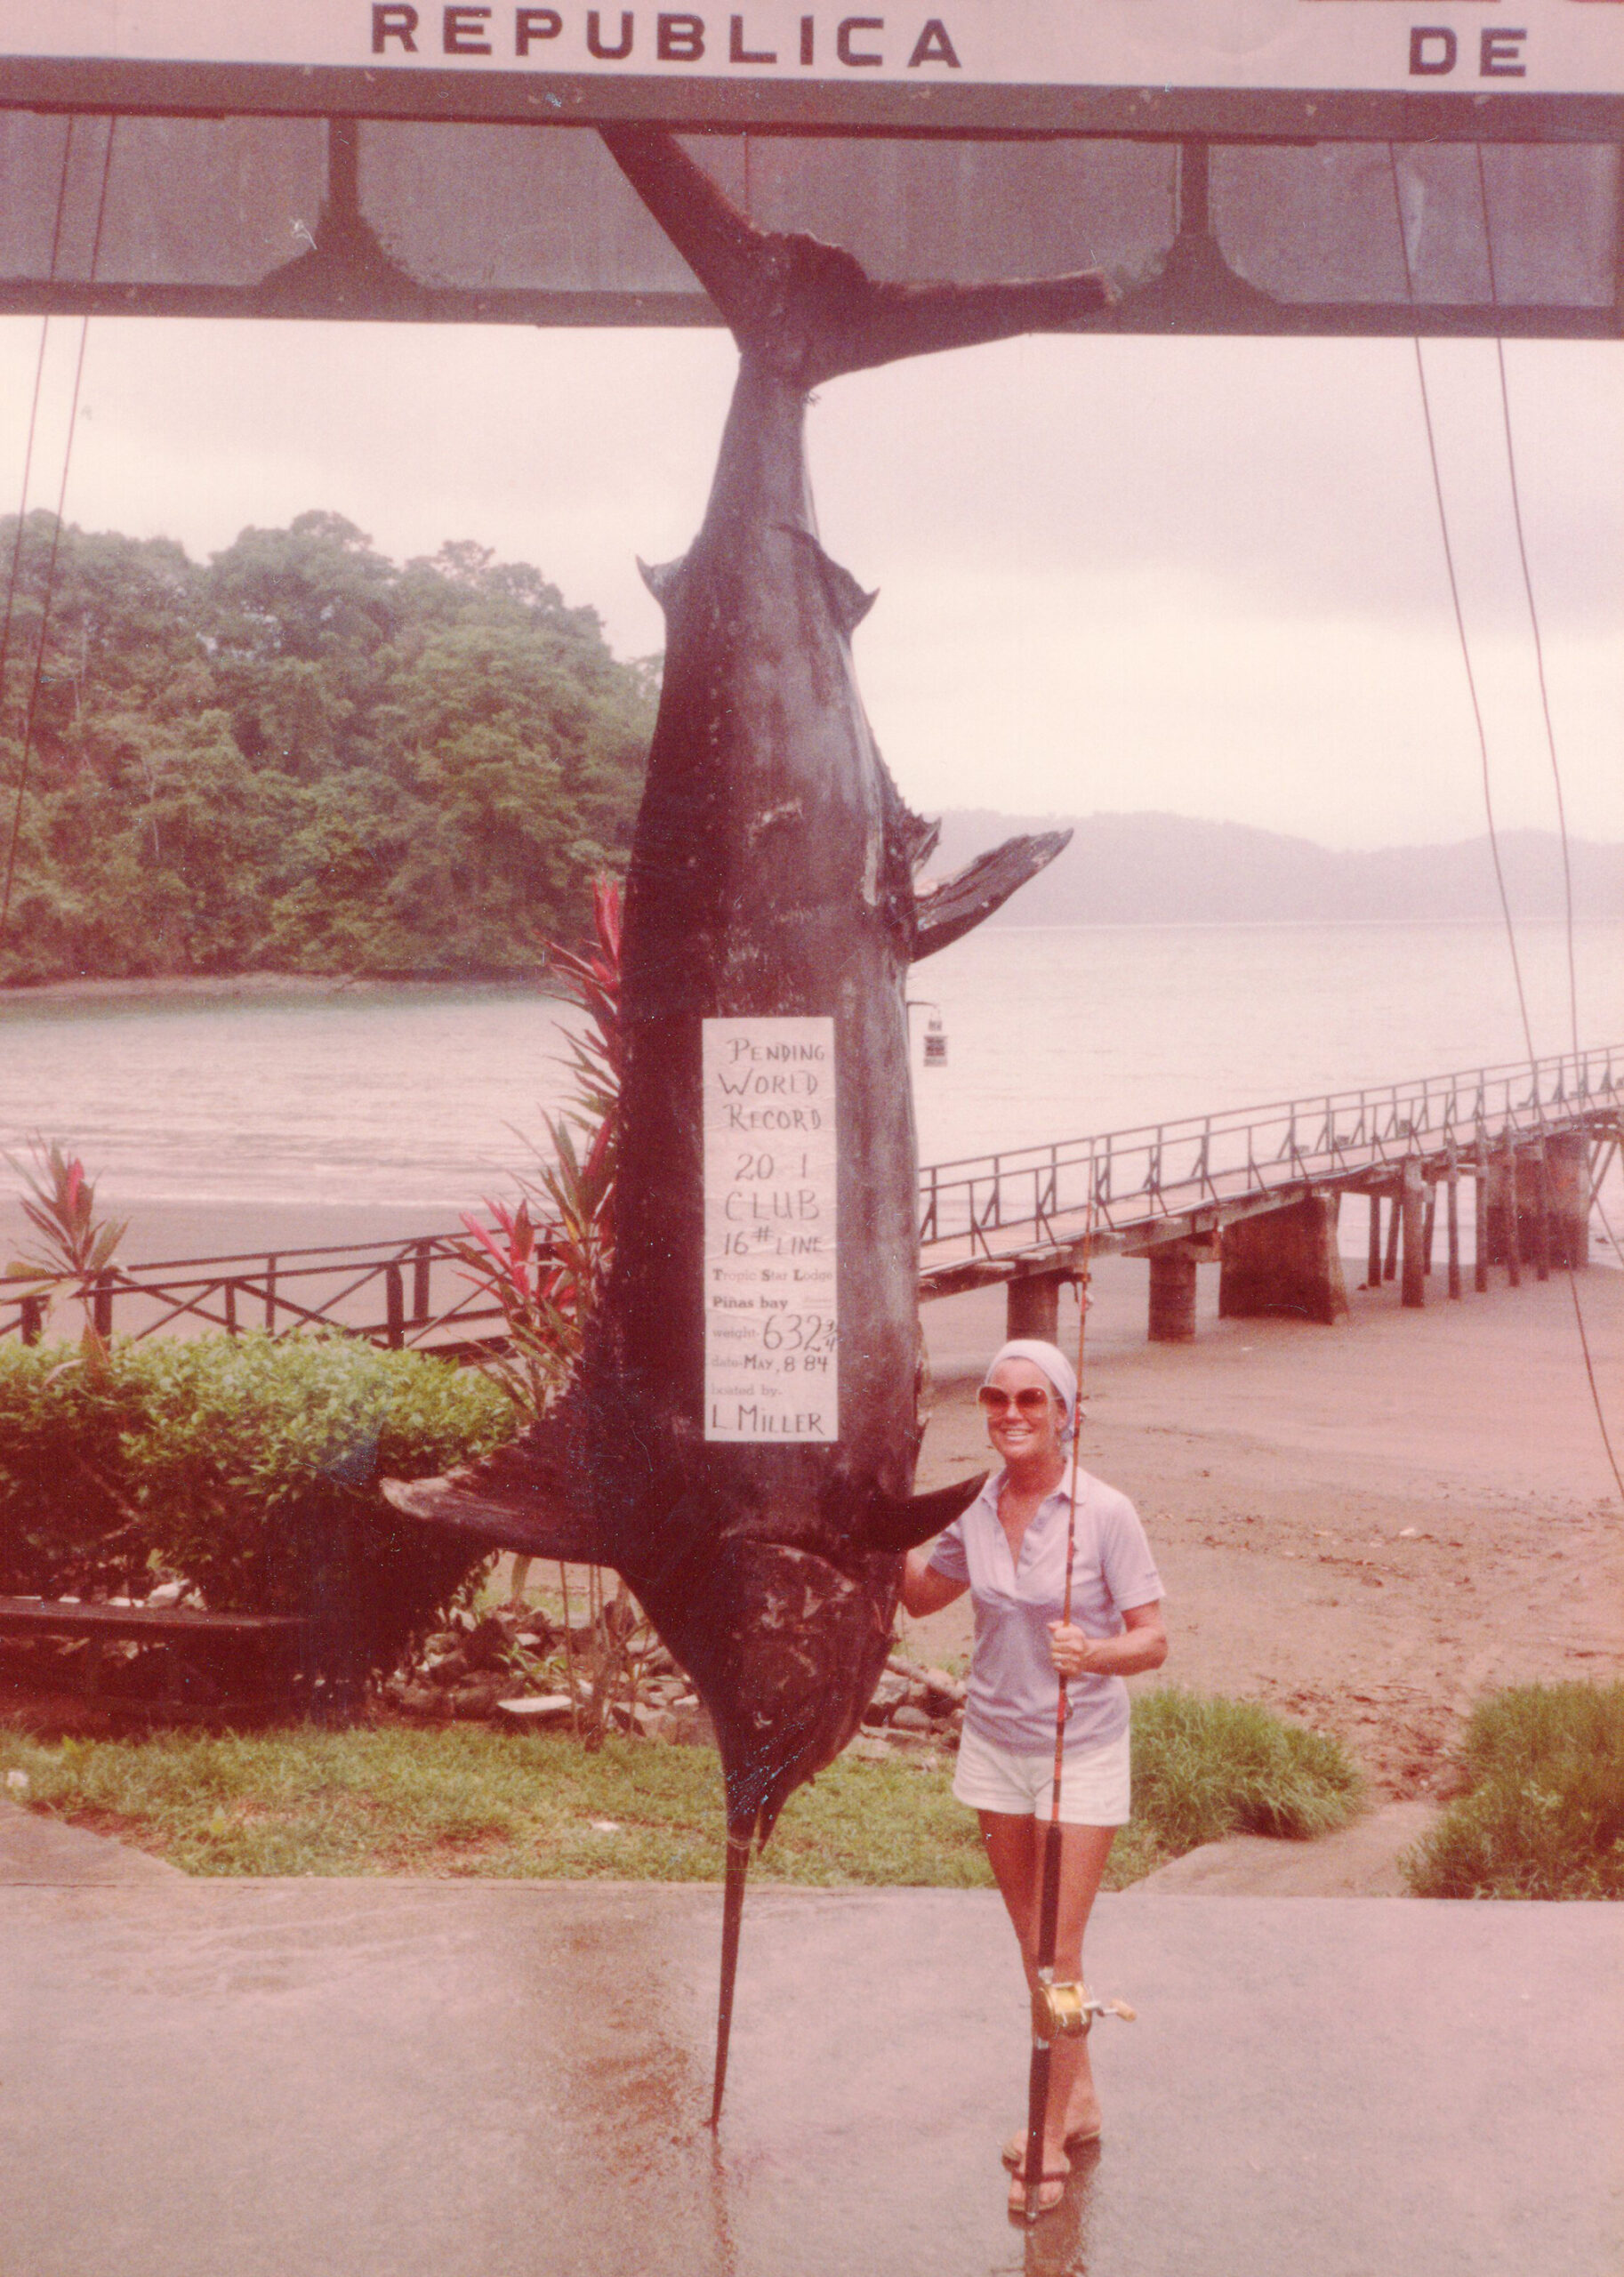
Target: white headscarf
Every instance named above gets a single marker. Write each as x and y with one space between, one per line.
1050 1361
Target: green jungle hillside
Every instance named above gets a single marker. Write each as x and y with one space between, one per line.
302 758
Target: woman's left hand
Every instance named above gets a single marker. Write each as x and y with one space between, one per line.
1068 1648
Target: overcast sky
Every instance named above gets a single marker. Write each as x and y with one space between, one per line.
1203 576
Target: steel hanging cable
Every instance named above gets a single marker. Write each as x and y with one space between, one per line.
1454 595
1488 797
56 538
1538 644
1562 813
39 372
1534 616
1562 816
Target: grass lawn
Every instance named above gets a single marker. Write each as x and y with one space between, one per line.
1543 1813
464 1799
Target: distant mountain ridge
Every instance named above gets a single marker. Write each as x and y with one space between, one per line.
1160 869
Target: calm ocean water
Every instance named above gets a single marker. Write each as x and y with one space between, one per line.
417 1098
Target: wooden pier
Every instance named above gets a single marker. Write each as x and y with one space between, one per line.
1259 1192
1519 1151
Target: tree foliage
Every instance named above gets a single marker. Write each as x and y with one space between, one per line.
304 757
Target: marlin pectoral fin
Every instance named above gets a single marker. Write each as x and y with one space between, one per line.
963 901
847 598
520 1498
903 1525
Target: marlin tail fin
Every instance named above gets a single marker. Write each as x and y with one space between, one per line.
812 307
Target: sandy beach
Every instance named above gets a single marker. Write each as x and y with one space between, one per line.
1366 1527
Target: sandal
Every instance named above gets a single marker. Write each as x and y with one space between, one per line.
1013 2153
1051 2190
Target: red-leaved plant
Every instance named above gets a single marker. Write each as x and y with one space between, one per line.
544 1263
78 1246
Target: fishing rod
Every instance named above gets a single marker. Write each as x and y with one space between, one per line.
1058 2010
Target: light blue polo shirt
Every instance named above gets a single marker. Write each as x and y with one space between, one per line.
1011 1692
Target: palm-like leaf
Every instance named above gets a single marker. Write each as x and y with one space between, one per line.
77 1246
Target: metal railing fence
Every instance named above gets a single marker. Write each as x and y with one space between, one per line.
394 1293
418 1291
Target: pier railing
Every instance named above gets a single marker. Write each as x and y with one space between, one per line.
418 1290
1127 1179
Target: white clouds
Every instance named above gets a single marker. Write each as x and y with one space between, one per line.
1198 574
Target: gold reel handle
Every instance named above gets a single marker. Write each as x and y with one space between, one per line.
1065 2011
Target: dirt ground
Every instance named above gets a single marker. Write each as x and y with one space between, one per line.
1365 1526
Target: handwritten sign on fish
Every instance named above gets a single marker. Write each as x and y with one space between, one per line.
771 1245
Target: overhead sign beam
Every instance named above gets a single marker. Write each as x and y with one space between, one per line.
1439 69
1256 166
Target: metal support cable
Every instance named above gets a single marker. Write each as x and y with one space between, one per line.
1482 746
39 371
56 539
1533 614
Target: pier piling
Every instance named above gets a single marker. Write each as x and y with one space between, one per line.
1373 1256
1533 1210
1568 1169
1285 1261
1033 1306
1412 1211
1172 1294
1508 1249
1480 1212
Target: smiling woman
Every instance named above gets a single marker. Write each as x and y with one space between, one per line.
1065 1590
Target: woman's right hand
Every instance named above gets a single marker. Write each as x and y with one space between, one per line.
923 1591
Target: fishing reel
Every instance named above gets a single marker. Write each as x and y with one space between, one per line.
1066 2011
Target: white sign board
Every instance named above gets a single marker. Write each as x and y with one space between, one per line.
1432 46
771 1307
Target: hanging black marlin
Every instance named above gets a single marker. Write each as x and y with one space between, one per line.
771 877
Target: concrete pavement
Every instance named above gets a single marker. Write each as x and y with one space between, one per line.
481 2079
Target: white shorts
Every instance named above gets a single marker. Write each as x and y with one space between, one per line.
1094 1785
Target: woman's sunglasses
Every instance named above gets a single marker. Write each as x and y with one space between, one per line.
1031 1400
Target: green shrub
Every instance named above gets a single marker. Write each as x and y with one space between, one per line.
1205 1768
1543 1815
67 1528
250 1467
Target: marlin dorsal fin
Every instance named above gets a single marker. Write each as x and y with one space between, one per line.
848 601
663 577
